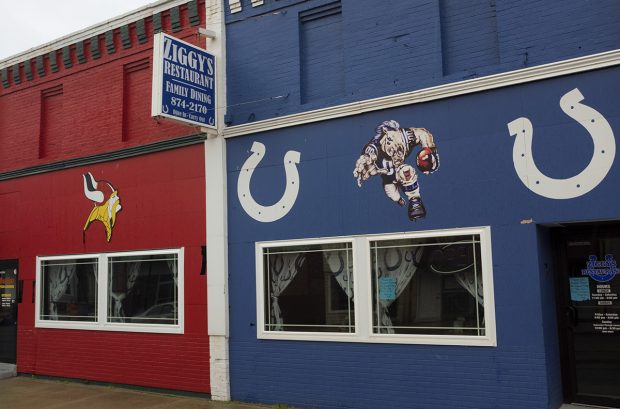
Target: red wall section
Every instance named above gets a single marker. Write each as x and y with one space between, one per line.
163 206
162 361
104 107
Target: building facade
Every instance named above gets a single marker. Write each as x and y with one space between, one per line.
103 239
420 203
405 203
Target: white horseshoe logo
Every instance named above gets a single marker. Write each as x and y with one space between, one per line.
278 210
602 158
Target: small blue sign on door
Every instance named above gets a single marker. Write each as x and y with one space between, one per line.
183 82
579 289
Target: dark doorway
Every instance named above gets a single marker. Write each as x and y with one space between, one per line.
8 310
589 311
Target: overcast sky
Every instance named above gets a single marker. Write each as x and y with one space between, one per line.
29 23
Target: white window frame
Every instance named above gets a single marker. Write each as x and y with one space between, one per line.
260 286
101 324
362 287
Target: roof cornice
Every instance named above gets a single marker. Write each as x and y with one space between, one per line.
99 28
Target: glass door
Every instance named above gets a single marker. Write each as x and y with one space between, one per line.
590 313
8 311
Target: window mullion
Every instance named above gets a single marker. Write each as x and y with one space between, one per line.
38 290
350 290
260 290
362 287
267 284
180 295
102 289
487 281
473 249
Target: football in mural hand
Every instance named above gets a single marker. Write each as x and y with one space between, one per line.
425 160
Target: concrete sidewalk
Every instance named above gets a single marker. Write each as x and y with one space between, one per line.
24 392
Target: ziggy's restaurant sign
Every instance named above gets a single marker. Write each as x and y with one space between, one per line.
183 82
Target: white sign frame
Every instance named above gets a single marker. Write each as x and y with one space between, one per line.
157 106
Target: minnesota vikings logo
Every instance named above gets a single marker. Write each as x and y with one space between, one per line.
103 212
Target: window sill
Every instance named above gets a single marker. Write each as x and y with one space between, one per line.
455 340
309 336
94 326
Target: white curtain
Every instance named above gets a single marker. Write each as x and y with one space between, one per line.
399 265
471 281
282 270
119 297
172 265
59 278
337 263
174 268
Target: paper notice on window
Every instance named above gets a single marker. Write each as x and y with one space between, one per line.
387 288
579 288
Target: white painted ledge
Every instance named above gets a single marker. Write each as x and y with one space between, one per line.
7 370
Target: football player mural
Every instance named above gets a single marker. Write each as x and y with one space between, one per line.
385 155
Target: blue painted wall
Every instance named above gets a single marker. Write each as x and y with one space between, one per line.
476 186
392 46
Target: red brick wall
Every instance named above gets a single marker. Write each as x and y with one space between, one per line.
163 206
97 113
104 106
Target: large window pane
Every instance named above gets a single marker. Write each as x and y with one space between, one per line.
428 286
143 289
69 290
309 288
